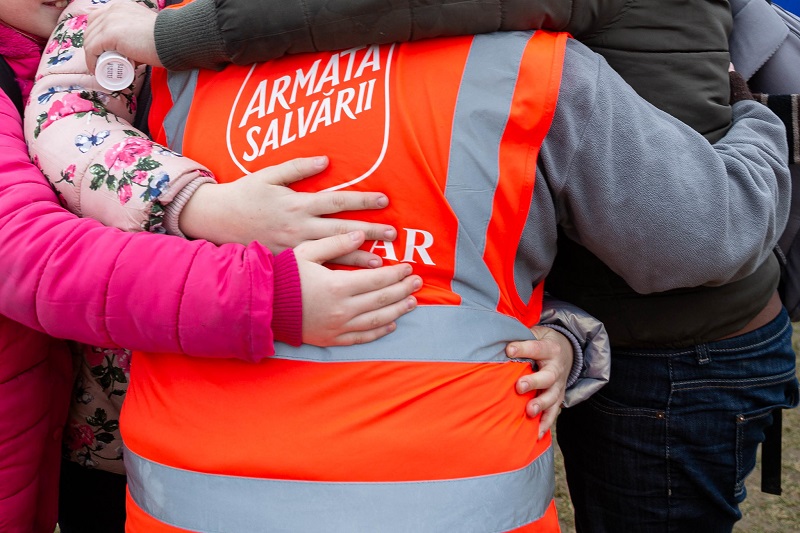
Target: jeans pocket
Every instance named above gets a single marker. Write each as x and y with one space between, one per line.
608 406
749 433
750 427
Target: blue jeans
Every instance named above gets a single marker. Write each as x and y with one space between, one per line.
666 445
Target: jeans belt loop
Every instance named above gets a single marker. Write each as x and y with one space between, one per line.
701 351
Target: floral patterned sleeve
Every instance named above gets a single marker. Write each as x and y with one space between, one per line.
80 136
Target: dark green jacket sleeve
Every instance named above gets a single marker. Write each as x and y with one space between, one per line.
210 33
673 52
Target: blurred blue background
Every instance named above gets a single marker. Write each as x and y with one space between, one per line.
789 5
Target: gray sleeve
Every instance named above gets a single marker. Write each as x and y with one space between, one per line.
591 370
652 198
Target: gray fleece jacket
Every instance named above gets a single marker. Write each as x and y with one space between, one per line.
658 179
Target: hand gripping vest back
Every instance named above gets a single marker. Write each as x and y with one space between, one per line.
419 431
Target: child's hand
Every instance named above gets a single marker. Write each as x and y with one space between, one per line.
552 353
344 307
260 207
123 26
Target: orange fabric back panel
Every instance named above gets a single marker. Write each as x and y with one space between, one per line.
367 421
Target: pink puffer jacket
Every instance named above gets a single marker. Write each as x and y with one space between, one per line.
73 278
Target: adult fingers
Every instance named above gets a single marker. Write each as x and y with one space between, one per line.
124 26
92 37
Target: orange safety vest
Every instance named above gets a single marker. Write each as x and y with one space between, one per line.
421 430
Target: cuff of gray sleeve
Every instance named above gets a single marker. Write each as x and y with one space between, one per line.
189 37
287 304
577 351
173 210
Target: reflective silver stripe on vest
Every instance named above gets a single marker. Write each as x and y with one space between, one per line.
445 333
215 503
481 115
182 86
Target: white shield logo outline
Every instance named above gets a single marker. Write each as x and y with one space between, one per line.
387 114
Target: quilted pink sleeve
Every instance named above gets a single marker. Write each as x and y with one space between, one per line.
80 136
77 279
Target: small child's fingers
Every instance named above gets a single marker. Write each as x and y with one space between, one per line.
294 170
372 325
547 399
324 226
380 286
542 379
359 259
549 417
363 306
324 250
530 349
331 202
362 337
